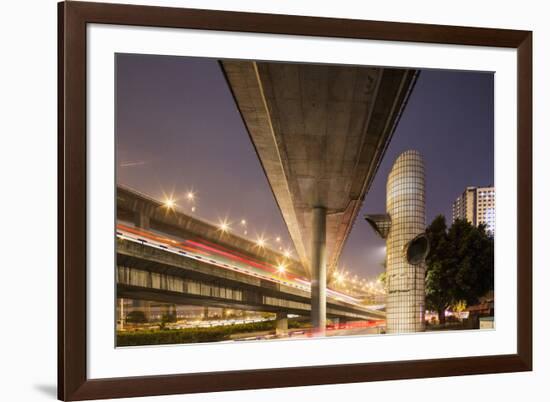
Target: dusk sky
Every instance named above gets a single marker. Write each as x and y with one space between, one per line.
179 129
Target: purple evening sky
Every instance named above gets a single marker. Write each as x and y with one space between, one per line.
178 129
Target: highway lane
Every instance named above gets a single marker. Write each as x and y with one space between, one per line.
222 257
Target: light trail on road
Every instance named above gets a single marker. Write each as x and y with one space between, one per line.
217 255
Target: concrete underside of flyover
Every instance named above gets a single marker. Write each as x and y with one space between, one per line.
320 132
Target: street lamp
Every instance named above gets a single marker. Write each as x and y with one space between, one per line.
260 241
224 226
243 224
170 203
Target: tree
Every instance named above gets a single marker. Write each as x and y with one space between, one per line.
459 266
474 251
439 268
382 279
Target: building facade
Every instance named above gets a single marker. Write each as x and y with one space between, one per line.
477 206
403 226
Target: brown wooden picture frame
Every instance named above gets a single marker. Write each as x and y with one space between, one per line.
73 382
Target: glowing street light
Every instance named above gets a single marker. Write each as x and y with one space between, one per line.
190 195
278 239
281 269
224 226
170 203
287 253
260 242
243 224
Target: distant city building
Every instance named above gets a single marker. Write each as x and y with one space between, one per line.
477 206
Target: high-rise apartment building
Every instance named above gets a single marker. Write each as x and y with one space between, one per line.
477 206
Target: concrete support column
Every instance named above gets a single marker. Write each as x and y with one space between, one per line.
205 312
281 324
319 271
141 220
143 305
120 320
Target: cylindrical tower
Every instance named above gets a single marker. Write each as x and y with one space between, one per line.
406 207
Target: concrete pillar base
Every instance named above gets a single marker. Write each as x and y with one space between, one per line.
120 315
319 271
141 220
145 306
281 324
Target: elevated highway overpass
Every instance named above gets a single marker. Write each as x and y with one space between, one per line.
167 256
320 132
149 270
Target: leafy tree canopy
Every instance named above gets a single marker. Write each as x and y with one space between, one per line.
459 266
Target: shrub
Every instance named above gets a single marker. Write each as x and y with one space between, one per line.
188 335
196 335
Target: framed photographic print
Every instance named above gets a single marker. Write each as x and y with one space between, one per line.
252 200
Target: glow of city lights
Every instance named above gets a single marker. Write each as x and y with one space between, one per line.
246 232
193 209
287 253
281 269
260 242
277 239
190 195
224 226
170 203
243 222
